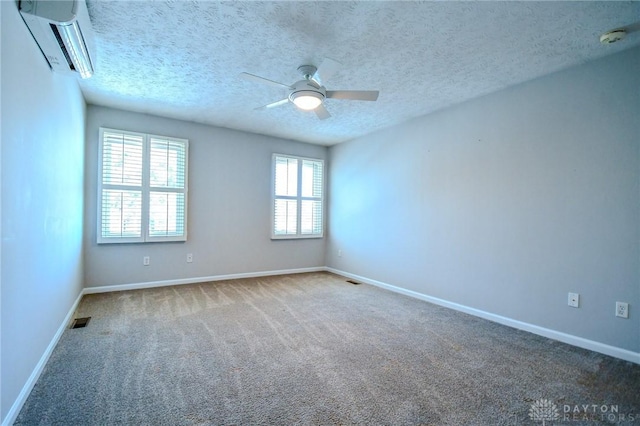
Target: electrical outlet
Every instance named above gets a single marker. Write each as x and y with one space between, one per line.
574 300
146 261
189 257
622 309
339 253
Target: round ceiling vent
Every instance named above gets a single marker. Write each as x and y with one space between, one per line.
612 36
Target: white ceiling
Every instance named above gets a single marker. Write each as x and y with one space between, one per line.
182 59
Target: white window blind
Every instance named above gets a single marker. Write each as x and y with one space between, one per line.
298 197
142 188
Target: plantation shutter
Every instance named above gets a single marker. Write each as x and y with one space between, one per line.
142 188
311 208
297 197
286 201
121 182
167 177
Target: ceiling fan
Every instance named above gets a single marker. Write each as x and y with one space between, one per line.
309 93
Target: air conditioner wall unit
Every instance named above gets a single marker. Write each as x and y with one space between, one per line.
63 32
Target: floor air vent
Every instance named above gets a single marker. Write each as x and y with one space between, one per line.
80 322
353 282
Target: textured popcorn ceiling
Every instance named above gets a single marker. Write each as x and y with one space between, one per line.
181 59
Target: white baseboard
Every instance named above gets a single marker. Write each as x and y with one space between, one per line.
602 348
28 386
150 284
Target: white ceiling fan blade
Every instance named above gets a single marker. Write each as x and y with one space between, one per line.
252 77
354 95
326 70
273 104
322 112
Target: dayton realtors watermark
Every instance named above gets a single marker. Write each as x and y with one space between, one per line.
545 410
593 412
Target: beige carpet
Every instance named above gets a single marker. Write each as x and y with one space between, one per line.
314 349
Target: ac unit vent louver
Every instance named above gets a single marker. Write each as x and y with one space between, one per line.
56 33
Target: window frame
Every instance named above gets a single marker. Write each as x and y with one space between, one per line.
145 188
298 198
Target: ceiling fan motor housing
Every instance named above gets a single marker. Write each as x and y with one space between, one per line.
307 88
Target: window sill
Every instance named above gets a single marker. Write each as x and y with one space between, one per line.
295 237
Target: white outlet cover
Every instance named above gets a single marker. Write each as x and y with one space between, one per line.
574 300
622 309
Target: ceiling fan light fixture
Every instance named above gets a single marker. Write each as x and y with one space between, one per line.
306 100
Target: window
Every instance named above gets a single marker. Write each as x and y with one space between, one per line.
298 197
142 189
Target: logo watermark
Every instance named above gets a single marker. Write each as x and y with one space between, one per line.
595 412
545 410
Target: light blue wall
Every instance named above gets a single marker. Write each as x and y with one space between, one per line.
229 207
506 203
43 116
